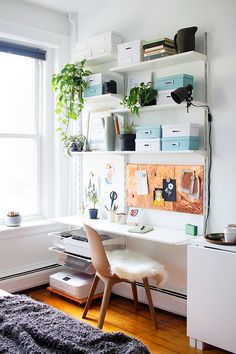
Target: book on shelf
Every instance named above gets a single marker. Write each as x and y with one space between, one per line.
157 42
156 56
159 47
157 51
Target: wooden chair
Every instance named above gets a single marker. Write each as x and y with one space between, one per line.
103 271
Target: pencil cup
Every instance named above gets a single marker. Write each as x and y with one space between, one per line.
120 218
111 215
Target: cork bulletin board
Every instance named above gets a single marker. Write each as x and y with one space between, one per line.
169 187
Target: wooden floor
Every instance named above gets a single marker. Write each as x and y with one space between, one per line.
168 339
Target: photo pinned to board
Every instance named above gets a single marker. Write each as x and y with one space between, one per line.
133 216
169 189
158 199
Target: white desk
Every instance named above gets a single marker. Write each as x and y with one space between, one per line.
159 234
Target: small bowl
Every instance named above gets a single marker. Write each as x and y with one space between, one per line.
215 236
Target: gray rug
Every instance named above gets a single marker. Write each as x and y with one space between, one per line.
28 326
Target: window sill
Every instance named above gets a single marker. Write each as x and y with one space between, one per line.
28 228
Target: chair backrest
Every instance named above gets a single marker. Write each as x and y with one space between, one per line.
98 255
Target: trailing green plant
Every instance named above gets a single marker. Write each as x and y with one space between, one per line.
92 194
140 96
75 143
69 84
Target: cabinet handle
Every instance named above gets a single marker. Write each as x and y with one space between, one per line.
176 131
147 132
147 145
175 144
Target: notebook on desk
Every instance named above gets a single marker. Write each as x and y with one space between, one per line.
140 229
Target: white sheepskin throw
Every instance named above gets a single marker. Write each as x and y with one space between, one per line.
133 266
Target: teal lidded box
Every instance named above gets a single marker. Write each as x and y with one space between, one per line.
148 132
95 90
180 143
173 82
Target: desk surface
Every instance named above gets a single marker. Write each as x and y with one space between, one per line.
158 234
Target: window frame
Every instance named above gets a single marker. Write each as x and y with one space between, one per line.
39 71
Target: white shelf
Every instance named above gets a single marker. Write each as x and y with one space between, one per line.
101 152
161 107
175 59
98 59
99 103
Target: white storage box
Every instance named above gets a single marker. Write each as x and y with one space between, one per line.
164 97
94 79
189 129
130 53
74 283
105 38
103 43
148 144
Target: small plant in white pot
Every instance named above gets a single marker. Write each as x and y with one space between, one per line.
13 218
92 195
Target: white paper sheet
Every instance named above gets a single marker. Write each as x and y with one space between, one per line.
141 182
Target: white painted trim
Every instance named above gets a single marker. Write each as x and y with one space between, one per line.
161 300
28 229
28 281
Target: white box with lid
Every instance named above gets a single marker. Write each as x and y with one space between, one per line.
130 52
164 97
148 145
178 130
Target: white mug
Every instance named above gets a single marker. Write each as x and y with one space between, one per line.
120 218
230 233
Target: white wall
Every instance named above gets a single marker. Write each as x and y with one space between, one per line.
156 18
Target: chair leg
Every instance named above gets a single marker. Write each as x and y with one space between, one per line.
105 300
135 294
91 293
150 303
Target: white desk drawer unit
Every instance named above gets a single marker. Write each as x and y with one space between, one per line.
148 144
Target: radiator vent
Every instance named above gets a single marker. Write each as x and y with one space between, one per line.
165 291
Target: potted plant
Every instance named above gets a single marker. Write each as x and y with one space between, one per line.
92 195
13 218
139 96
69 84
128 136
75 143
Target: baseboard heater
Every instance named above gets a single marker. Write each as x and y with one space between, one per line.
165 291
28 272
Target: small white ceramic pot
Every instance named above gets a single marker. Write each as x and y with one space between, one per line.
13 220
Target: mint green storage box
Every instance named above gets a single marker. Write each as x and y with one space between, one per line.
173 82
148 132
180 143
95 90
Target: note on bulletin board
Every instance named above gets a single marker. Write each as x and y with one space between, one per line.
141 182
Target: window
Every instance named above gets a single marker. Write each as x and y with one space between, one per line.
20 118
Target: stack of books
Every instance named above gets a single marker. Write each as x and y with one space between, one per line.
158 48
